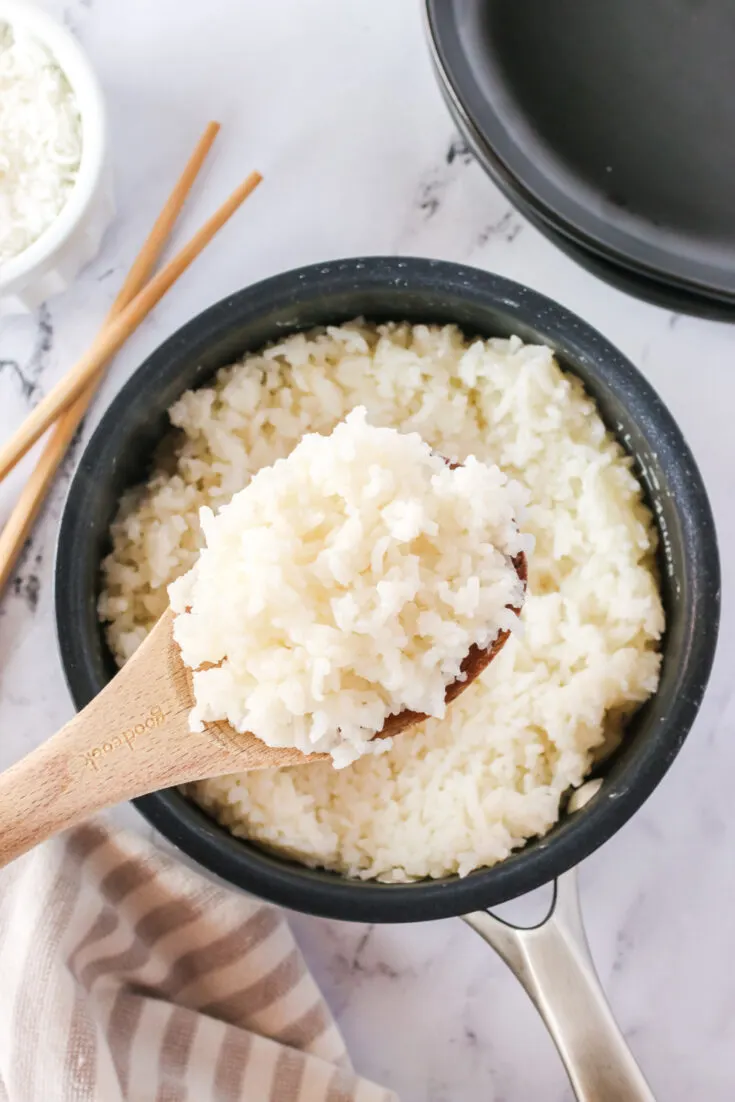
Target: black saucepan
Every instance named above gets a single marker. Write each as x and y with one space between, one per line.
119 454
551 960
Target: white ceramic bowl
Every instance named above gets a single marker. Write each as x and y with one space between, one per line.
52 262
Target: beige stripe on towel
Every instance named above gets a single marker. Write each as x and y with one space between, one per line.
126 977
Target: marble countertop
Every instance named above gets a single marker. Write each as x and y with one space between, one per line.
336 104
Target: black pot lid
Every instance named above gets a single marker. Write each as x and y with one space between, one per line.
666 295
669 296
617 120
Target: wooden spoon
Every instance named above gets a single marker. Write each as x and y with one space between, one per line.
134 738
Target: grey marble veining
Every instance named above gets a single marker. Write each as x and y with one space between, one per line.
337 105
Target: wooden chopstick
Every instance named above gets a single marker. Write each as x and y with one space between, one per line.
18 526
116 332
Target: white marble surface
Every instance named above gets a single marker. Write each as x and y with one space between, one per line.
336 104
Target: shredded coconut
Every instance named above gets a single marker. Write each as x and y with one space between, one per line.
40 140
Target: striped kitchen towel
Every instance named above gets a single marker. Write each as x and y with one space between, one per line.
125 976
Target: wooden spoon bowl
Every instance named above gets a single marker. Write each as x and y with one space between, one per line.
134 738
477 660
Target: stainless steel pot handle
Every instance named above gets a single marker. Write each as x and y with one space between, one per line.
553 962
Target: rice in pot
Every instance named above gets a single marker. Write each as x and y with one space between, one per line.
461 792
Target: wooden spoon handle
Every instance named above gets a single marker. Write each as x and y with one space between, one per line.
133 738
107 753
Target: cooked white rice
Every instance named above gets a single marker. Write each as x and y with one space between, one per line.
345 584
462 792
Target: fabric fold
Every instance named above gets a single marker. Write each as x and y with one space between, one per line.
127 977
